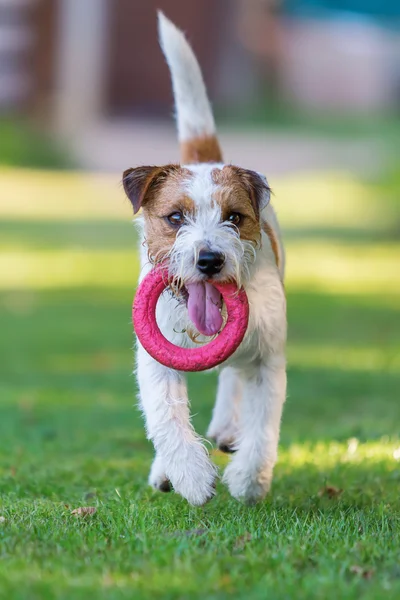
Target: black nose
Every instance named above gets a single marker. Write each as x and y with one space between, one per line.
210 262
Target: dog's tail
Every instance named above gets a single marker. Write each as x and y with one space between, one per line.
195 121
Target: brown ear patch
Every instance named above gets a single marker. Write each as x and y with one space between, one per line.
141 182
233 197
256 186
201 149
165 196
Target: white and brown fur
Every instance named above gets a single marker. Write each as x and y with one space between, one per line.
252 383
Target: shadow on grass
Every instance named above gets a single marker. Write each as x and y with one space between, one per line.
55 234
92 233
351 235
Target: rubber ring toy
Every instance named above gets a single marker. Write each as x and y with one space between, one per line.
188 359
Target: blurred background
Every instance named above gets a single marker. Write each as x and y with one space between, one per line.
306 91
92 74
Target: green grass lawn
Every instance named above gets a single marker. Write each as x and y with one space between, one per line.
71 435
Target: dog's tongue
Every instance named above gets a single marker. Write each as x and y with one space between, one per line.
204 305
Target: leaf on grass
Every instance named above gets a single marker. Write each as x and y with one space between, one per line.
84 511
362 571
330 491
241 541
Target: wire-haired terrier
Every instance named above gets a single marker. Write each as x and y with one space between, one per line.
210 221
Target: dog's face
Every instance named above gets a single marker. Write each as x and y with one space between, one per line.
204 220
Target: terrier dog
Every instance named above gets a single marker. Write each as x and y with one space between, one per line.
210 221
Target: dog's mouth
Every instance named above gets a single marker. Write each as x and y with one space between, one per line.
204 303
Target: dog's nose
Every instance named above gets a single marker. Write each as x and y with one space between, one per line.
210 262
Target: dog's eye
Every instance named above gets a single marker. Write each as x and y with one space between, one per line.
176 219
235 218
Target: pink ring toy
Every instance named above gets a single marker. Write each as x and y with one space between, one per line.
187 359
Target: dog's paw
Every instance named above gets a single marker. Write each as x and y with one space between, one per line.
157 478
224 436
229 447
193 475
247 485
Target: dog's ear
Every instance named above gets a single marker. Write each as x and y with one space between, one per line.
141 182
257 187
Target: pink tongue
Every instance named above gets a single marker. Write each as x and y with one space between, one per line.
204 306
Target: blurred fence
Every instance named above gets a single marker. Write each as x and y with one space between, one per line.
16 41
71 61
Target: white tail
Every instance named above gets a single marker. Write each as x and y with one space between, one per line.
194 116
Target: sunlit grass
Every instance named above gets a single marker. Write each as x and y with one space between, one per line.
38 270
343 268
328 200
61 195
322 455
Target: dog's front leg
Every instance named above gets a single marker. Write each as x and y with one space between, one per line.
224 424
179 451
249 474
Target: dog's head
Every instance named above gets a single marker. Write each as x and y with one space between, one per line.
204 221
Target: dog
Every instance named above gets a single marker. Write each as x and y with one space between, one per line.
210 221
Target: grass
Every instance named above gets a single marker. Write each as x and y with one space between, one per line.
71 436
